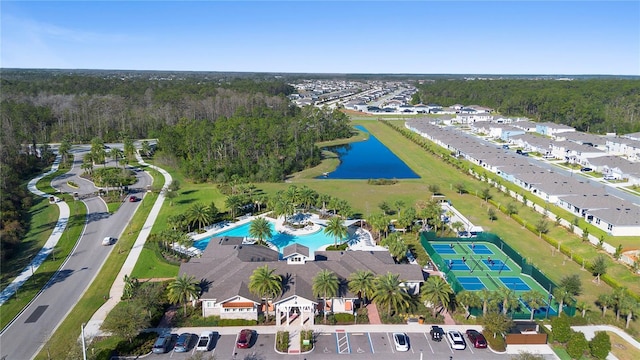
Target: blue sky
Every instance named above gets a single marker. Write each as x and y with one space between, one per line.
425 37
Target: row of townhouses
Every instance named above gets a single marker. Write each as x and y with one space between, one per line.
617 216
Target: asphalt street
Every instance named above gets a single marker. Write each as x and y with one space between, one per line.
30 330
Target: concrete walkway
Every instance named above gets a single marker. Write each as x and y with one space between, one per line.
49 245
92 328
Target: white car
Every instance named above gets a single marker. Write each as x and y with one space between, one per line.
401 340
108 241
205 341
456 340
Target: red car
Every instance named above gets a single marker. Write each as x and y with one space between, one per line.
477 339
133 198
244 338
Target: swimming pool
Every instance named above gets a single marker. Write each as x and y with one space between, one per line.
312 241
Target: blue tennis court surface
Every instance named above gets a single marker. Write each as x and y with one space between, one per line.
457 264
514 283
496 265
444 249
471 283
480 249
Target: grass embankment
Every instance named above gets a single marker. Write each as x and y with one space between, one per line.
65 337
621 349
43 219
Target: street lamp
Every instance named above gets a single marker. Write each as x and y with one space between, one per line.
84 348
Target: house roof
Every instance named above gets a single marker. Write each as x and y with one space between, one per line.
226 265
295 248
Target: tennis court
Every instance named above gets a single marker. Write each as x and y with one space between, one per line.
496 265
478 265
444 249
480 249
471 283
514 283
458 265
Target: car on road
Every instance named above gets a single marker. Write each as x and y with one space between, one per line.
133 198
183 343
244 338
205 341
108 241
456 340
436 333
401 340
477 339
162 343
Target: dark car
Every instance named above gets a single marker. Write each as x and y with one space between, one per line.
244 338
586 169
162 343
437 333
133 198
477 339
183 343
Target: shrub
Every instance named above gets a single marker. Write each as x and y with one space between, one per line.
497 343
282 341
306 335
600 345
561 329
140 345
577 345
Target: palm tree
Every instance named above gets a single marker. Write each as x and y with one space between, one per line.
183 289
630 307
198 213
379 223
509 299
336 229
264 283
397 247
116 153
468 299
361 282
437 292
399 204
388 292
562 296
534 300
325 284
307 197
620 295
129 148
146 148
486 296
261 229
583 306
233 202
605 301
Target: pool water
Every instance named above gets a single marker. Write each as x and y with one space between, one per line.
312 241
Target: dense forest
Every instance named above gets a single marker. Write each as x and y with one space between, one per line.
592 105
212 127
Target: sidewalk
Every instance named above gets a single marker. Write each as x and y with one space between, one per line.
49 245
92 328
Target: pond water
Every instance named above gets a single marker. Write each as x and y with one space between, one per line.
368 159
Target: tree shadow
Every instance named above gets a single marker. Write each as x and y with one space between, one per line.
97 216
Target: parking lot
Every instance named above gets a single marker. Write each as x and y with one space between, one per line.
338 344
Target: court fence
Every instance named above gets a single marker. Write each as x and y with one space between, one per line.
526 268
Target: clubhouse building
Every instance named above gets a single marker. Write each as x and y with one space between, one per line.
227 263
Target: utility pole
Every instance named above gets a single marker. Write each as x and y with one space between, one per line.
84 348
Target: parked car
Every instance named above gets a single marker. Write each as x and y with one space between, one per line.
183 343
436 333
456 340
586 169
108 241
244 338
162 343
133 198
610 177
205 341
477 339
401 340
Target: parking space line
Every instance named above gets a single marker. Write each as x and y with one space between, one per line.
428 342
342 341
371 343
391 344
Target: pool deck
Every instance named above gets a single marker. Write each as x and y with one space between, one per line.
361 240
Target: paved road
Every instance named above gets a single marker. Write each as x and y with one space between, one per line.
26 335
